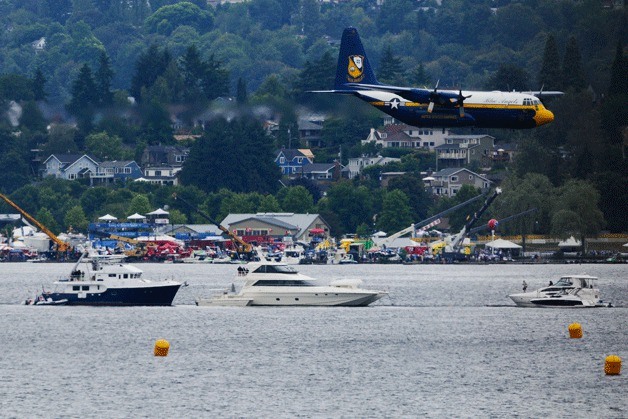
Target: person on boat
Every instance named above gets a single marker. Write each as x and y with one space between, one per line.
551 283
525 285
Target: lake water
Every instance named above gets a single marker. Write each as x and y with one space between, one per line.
447 342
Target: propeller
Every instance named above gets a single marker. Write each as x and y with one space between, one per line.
460 102
433 98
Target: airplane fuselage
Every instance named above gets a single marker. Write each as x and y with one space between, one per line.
482 109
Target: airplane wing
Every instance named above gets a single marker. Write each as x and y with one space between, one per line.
545 95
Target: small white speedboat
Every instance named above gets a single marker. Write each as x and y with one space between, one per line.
569 291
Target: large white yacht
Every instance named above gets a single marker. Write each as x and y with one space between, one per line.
568 291
278 284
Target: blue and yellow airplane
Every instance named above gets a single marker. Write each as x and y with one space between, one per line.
435 108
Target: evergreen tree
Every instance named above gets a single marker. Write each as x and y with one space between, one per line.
390 70
237 155
102 79
39 82
615 111
148 68
509 77
573 73
215 79
241 94
420 77
550 74
192 69
84 99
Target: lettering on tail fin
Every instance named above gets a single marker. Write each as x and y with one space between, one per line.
355 69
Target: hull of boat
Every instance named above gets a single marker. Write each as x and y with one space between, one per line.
338 299
137 296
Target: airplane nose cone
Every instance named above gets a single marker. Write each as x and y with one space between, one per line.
543 116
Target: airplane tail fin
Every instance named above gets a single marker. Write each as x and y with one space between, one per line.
353 65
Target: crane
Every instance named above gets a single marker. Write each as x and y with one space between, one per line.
139 250
243 248
60 244
429 220
454 241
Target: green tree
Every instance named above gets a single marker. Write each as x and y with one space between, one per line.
351 205
177 217
45 217
39 83
573 72
104 146
297 199
550 76
576 211
241 94
269 204
419 199
140 204
390 69
75 219
509 77
102 80
396 212
212 165
84 99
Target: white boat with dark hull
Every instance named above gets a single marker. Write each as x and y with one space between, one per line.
94 282
569 291
279 284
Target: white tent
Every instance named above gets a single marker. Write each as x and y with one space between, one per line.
107 217
502 244
136 216
570 242
158 211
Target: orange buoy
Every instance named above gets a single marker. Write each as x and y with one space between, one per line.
162 347
612 366
575 331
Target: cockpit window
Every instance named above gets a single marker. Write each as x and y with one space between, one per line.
278 269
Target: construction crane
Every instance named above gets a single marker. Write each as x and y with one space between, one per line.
61 246
453 242
243 249
427 221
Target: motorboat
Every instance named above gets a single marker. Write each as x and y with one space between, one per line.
269 283
568 291
96 282
347 260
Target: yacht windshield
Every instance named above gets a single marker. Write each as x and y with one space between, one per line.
565 281
275 269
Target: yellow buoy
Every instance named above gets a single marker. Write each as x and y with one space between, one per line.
612 366
161 347
575 331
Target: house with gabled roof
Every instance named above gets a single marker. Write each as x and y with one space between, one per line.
407 136
275 225
463 150
322 171
167 155
69 166
292 160
447 182
357 164
121 171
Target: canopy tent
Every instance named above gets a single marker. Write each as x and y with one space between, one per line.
570 242
502 244
158 211
136 216
107 217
